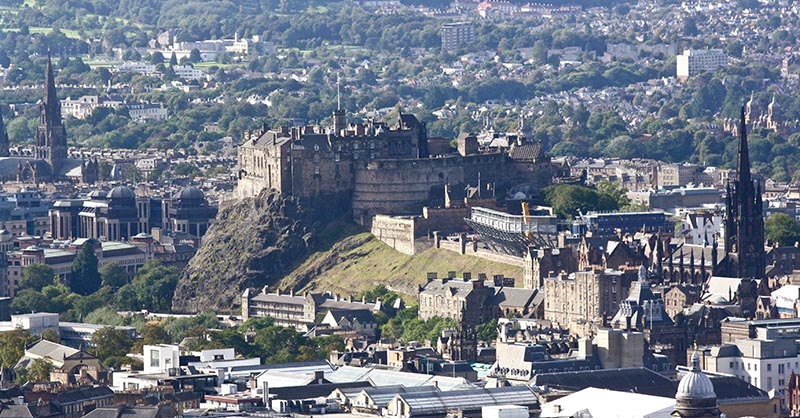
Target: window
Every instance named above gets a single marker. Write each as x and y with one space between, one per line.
155 358
769 367
769 383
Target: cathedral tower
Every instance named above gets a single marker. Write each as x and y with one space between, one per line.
744 219
51 136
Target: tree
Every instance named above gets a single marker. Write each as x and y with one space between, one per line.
782 228
568 200
173 60
487 331
195 57
12 346
157 58
51 335
37 276
110 342
85 278
29 300
39 370
113 275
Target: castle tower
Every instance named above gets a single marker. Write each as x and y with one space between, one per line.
696 396
339 115
744 219
4 143
51 136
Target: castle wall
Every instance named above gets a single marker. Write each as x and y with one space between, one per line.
396 232
404 186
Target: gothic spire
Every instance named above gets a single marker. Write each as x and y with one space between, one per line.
743 166
51 107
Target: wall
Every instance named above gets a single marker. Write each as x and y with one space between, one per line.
469 249
403 186
396 232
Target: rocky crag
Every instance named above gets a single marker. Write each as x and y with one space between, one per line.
254 242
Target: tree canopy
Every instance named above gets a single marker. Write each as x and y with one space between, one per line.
85 278
782 229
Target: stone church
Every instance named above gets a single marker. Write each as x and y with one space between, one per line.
47 162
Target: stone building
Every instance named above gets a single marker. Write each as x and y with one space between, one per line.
188 212
472 302
128 256
373 167
303 311
121 215
584 300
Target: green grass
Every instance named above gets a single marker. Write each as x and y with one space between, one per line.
360 261
69 33
212 63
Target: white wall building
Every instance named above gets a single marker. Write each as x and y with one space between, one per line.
766 361
696 61
189 73
143 112
160 358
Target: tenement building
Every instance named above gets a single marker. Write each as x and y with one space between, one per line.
472 302
299 311
585 300
374 167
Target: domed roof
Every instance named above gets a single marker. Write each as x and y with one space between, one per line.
191 193
695 385
98 194
121 192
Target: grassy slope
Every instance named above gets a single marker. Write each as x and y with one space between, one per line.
358 261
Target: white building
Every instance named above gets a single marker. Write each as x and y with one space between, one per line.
766 361
143 112
143 68
82 107
160 358
74 334
696 61
189 73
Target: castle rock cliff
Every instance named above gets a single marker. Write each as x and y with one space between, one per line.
253 243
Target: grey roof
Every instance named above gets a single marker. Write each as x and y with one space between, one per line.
272 297
133 412
638 380
17 411
121 192
50 349
439 403
515 296
381 396
191 193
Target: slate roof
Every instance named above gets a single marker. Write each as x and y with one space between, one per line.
84 394
526 151
313 391
50 349
637 380
439 403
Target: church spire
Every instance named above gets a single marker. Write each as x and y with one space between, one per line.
52 108
743 166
